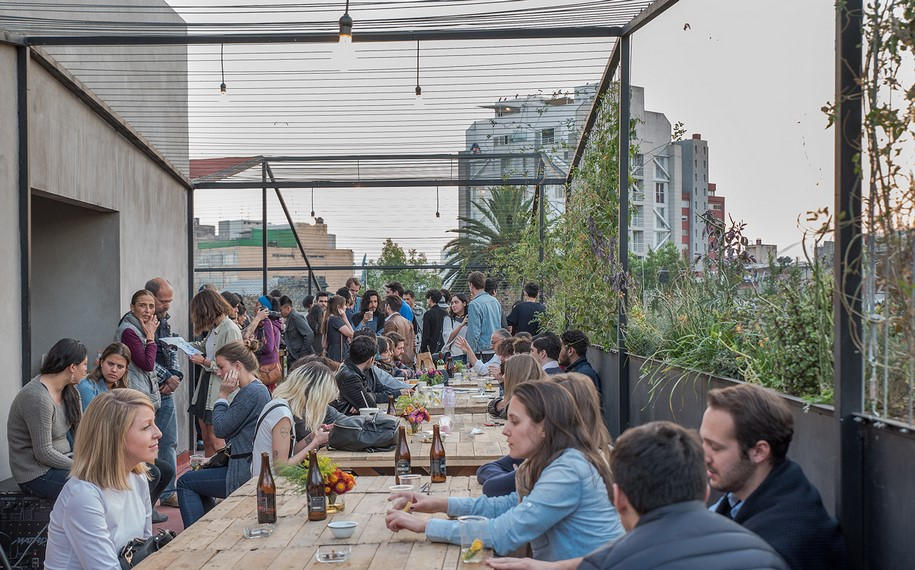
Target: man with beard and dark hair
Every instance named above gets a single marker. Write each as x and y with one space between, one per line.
572 355
746 431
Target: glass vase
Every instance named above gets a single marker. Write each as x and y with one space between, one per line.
335 504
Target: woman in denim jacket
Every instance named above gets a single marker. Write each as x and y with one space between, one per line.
562 506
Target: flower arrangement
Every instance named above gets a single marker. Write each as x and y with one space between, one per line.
459 366
433 377
336 481
412 410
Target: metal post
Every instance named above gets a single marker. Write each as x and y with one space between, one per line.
193 370
264 222
23 57
295 234
623 412
847 299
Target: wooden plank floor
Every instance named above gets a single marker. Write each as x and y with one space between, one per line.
216 541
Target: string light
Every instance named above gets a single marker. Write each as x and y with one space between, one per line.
222 68
437 213
345 52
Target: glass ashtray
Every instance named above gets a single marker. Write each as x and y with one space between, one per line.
332 554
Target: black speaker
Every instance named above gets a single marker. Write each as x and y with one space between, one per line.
24 528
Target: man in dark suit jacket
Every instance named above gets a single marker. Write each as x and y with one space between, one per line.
432 323
545 348
746 431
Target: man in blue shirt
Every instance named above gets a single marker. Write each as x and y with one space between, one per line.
395 288
484 314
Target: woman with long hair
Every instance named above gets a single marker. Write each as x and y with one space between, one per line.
236 365
336 329
455 325
137 330
370 316
587 400
304 395
562 506
43 418
210 316
110 373
105 503
517 369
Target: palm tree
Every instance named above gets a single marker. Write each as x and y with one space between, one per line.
505 215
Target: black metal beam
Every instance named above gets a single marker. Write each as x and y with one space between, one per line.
605 81
23 61
106 114
264 221
623 302
848 273
281 268
381 183
327 37
295 234
653 10
415 156
191 380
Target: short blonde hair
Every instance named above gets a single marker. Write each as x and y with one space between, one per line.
309 389
99 452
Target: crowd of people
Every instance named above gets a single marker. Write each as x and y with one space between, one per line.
103 443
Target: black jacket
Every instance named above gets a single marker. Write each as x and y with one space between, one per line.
432 330
786 510
685 536
299 336
582 366
356 388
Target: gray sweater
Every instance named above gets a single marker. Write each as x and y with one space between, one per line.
37 433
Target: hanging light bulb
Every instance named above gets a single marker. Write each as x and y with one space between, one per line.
312 202
437 213
222 68
345 53
418 101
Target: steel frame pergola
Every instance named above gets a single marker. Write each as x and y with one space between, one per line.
847 193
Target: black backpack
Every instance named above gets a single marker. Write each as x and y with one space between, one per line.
364 433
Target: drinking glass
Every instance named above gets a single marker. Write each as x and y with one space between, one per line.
473 530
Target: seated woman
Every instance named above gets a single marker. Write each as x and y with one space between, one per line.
41 419
305 394
236 422
562 506
105 503
109 374
516 370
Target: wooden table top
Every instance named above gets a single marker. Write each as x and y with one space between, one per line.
216 540
461 448
467 401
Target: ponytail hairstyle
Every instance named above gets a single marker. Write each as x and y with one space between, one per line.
552 405
242 351
65 353
141 293
113 349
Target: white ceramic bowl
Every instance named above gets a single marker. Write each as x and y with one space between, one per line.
368 411
342 529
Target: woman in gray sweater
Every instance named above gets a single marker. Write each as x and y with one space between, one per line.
43 417
236 423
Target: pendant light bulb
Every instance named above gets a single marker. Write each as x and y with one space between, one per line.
345 55
222 69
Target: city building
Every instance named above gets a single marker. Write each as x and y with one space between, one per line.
671 192
239 244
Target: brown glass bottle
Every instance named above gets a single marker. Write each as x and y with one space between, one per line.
391 408
317 499
402 465
449 367
266 493
437 457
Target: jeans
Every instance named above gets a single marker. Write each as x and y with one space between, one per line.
196 490
167 423
161 473
48 485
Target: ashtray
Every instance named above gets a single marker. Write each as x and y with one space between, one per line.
475 431
332 554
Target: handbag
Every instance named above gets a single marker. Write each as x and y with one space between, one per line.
219 459
270 373
377 432
138 549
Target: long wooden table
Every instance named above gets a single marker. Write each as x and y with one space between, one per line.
462 450
216 540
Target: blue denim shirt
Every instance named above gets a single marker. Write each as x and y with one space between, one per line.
484 315
566 515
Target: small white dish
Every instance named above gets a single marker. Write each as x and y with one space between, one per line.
342 529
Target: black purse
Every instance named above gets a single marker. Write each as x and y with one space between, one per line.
138 549
219 459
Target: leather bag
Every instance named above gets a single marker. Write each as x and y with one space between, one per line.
138 549
364 433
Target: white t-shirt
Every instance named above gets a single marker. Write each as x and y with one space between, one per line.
263 439
90 525
448 325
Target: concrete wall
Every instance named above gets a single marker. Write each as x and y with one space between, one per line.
79 159
11 345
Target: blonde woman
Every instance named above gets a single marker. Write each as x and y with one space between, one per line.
305 395
105 503
210 314
517 369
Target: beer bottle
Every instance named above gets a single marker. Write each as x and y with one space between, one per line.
392 411
317 499
402 464
437 456
266 493
449 367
